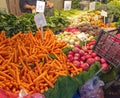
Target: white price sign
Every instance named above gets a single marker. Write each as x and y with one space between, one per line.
40 6
103 13
67 5
92 6
40 20
96 17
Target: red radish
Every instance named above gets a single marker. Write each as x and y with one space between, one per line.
76 58
87 56
84 66
81 52
102 61
76 50
81 62
76 63
97 58
105 66
77 45
70 57
93 54
84 48
91 46
83 58
77 55
68 60
71 52
90 61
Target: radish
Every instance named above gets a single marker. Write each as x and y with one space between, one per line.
97 58
76 58
70 57
93 54
87 56
84 66
77 45
76 63
102 61
71 53
77 55
81 52
83 58
90 61
105 66
75 50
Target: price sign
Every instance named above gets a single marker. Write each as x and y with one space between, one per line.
67 5
103 13
96 17
40 6
40 20
92 6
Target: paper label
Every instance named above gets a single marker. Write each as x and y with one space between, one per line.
40 6
95 17
67 5
40 20
103 13
92 6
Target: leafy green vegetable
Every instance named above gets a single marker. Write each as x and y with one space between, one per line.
66 86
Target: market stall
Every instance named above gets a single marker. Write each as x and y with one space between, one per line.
58 57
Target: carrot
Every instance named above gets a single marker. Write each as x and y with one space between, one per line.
40 76
49 83
23 50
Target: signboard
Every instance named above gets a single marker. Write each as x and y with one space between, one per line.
67 5
40 6
40 20
92 5
103 13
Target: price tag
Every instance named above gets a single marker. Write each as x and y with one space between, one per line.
40 6
92 6
96 17
103 13
82 37
67 5
40 20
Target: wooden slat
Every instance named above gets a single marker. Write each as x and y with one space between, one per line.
14 8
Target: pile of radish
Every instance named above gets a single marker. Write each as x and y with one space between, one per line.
84 56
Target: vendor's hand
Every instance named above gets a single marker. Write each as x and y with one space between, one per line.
33 7
49 4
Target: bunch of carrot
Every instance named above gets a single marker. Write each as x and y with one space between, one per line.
25 63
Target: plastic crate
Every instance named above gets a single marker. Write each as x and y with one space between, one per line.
108 46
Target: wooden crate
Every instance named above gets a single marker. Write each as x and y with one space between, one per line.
13 7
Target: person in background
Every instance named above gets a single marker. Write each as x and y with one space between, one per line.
27 6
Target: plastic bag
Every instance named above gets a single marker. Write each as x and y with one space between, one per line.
7 94
22 94
92 89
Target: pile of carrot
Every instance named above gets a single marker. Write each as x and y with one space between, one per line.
25 63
